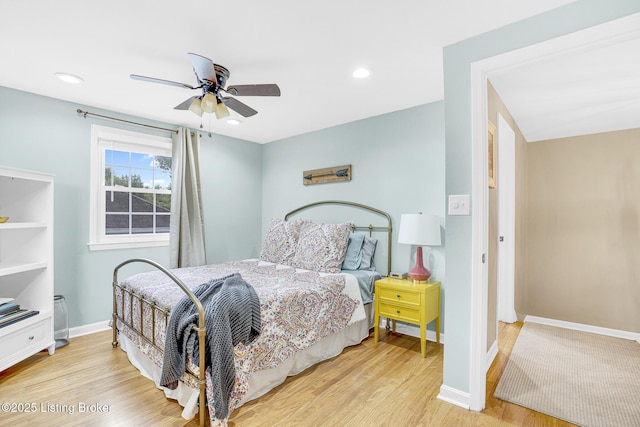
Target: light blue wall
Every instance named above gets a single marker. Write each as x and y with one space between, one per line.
457 61
46 134
231 175
397 163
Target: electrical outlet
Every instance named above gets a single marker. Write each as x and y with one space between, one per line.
459 204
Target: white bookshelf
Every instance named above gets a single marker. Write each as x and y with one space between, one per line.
26 261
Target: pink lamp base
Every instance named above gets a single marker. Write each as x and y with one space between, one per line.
419 273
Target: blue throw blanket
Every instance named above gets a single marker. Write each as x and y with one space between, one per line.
232 315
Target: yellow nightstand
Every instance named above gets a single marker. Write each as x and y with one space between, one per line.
416 303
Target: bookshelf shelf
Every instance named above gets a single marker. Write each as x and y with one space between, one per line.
14 267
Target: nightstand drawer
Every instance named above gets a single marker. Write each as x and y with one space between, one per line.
404 296
400 313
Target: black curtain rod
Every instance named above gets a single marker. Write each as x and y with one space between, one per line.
87 113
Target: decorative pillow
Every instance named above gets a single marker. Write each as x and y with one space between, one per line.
322 247
368 251
279 244
353 258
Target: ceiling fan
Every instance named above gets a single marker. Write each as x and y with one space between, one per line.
212 79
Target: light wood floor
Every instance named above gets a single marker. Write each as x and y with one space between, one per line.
87 383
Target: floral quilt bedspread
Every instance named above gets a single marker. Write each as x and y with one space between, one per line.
298 308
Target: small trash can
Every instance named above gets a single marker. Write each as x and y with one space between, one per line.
60 321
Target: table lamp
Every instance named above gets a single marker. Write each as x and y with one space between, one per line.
420 230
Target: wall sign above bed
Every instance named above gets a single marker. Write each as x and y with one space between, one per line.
325 175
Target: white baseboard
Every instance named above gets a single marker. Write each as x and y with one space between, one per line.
454 396
491 354
79 331
412 330
616 333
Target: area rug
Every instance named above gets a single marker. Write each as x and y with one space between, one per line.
586 379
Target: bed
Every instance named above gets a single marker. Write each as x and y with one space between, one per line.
313 304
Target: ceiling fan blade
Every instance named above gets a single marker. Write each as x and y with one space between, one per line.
203 67
254 90
161 81
243 109
185 104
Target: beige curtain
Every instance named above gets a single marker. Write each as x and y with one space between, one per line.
187 228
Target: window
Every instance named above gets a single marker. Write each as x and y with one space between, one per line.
131 189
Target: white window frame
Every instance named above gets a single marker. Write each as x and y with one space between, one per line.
103 138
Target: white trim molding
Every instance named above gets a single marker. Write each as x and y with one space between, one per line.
454 396
479 237
92 328
615 333
491 355
413 331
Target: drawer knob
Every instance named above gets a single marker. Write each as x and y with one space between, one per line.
398 311
31 338
398 295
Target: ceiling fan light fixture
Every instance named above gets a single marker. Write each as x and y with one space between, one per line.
208 103
212 79
196 107
221 111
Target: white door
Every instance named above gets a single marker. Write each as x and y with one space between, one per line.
506 221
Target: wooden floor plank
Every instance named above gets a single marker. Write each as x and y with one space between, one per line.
390 385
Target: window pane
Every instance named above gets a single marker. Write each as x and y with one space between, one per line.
162 162
162 223
140 160
163 203
162 165
162 179
139 177
117 224
107 175
142 224
120 176
116 158
141 202
117 201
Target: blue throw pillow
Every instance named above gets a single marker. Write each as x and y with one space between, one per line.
354 252
368 251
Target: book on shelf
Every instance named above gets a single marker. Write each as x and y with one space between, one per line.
16 316
4 300
8 307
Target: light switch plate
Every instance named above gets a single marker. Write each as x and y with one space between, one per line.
459 204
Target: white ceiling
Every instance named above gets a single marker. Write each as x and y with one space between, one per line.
309 49
585 90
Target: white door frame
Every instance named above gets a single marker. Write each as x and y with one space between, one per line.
506 222
609 33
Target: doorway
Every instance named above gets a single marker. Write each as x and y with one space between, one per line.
506 222
608 33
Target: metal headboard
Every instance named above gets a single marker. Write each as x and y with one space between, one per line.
369 227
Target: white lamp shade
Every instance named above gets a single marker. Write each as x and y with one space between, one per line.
419 229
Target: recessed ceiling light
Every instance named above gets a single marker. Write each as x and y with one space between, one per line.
361 73
234 122
69 78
